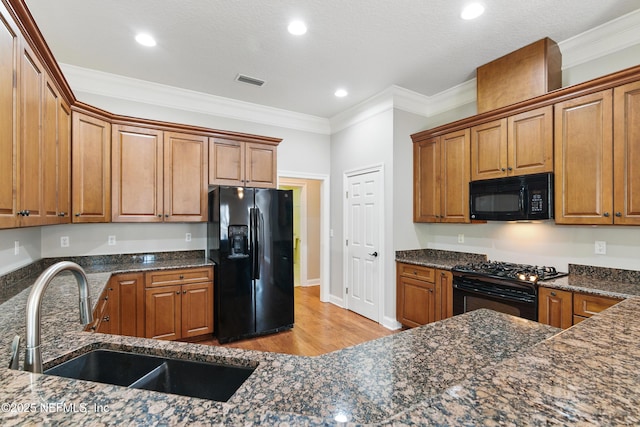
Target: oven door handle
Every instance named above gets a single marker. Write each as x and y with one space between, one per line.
470 289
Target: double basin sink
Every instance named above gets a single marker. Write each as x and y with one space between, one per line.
140 371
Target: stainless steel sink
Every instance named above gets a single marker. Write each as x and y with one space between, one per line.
184 377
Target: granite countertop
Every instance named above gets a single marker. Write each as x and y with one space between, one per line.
435 258
482 367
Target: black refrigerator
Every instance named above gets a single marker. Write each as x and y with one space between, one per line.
250 240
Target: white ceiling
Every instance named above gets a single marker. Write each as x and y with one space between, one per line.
364 46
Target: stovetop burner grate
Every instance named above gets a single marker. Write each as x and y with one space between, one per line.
506 270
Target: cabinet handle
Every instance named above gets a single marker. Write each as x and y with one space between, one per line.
618 214
553 294
62 214
181 276
177 292
430 290
606 214
503 169
27 212
78 214
159 215
184 292
166 215
105 319
509 168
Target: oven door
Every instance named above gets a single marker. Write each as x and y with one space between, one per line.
469 297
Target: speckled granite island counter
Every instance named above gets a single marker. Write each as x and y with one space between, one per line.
476 368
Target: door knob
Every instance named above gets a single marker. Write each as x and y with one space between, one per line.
374 254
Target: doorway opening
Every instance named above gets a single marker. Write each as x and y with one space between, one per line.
310 223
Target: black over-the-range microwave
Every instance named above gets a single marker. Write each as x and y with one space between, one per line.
514 198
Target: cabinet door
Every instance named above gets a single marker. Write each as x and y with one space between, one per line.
64 163
130 302
626 151
586 305
416 302
489 150
51 155
137 174
426 180
31 171
197 309
583 160
530 142
444 294
226 162
9 160
261 165
555 307
454 186
163 312
91 169
185 177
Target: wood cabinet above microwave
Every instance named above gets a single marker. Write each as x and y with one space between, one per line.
516 145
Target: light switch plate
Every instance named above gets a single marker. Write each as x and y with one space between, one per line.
600 247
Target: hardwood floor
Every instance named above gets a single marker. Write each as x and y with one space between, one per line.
319 328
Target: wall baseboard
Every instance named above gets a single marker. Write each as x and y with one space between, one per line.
336 301
391 323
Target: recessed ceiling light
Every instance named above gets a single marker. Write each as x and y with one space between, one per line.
472 11
145 40
297 28
341 93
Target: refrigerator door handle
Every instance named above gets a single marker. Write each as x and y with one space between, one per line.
254 243
261 241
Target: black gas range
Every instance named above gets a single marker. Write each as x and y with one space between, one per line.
500 286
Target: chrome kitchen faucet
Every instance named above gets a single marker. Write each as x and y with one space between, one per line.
33 354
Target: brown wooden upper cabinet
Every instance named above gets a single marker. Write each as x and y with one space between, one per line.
517 145
91 169
158 176
626 154
584 160
9 51
34 136
242 163
441 178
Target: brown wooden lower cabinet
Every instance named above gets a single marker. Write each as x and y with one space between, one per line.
555 307
564 308
181 310
423 294
163 304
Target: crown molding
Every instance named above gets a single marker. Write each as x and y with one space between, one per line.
603 40
115 86
600 41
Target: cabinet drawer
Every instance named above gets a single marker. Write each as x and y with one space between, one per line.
588 305
417 272
177 277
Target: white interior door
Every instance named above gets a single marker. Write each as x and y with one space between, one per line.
363 222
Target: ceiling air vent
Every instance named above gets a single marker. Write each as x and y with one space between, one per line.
249 80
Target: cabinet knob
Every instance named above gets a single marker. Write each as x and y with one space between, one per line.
503 169
430 290
159 215
106 298
606 214
415 272
166 215
105 319
27 212
553 294
181 276
509 168
177 292
184 292
93 328
618 214
62 214
78 214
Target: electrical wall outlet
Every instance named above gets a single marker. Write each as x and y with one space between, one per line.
111 240
187 237
16 247
600 247
460 238
64 241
